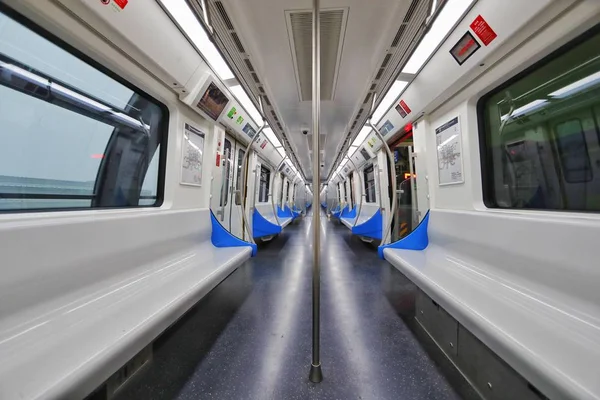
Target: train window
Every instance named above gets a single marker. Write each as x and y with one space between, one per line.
281 178
572 147
540 133
238 181
226 173
265 178
351 183
71 135
287 191
369 174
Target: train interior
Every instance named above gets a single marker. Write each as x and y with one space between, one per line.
312 199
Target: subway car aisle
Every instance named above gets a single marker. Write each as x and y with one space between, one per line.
250 338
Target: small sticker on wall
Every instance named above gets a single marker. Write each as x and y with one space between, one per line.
116 5
386 128
484 32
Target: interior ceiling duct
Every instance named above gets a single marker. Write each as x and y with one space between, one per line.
299 25
232 48
409 34
322 140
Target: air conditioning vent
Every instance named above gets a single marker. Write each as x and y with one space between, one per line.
255 77
250 66
386 60
261 90
411 11
379 73
373 86
333 23
223 14
237 42
399 35
266 99
367 98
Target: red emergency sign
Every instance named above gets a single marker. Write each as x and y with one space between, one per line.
121 3
483 31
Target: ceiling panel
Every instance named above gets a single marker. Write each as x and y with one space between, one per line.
275 40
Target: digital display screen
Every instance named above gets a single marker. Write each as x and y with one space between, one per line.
213 101
365 154
464 48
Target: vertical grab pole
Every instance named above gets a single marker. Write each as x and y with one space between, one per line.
316 374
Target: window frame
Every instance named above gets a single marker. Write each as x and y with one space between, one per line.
485 151
163 127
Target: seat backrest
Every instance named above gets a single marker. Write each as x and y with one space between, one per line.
367 210
541 249
266 210
46 257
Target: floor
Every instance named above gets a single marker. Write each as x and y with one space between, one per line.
250 338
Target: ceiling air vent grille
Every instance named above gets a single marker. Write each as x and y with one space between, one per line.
411 11
223 15
237 42
249 65
333 24
399 35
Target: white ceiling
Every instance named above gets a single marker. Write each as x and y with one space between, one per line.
371 26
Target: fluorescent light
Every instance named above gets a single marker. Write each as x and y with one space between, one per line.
364 132
281 151
240 94
191 26
527 108
388 100
352 150
446 19
271 136
577 86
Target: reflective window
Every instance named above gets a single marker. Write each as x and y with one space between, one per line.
227 160
351 184
280 189
238 182
71 136
369 174
265 178
541 133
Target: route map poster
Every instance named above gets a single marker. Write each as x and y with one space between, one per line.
191 157
449 153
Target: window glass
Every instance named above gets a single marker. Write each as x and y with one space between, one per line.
541 134
351 184
70 135
280 190
227 156
369 174
265 177
238 182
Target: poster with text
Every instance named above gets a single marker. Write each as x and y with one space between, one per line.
191 158
449 153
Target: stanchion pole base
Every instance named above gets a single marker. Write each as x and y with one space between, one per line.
316 374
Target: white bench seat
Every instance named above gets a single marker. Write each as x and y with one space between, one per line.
547 328
76 332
